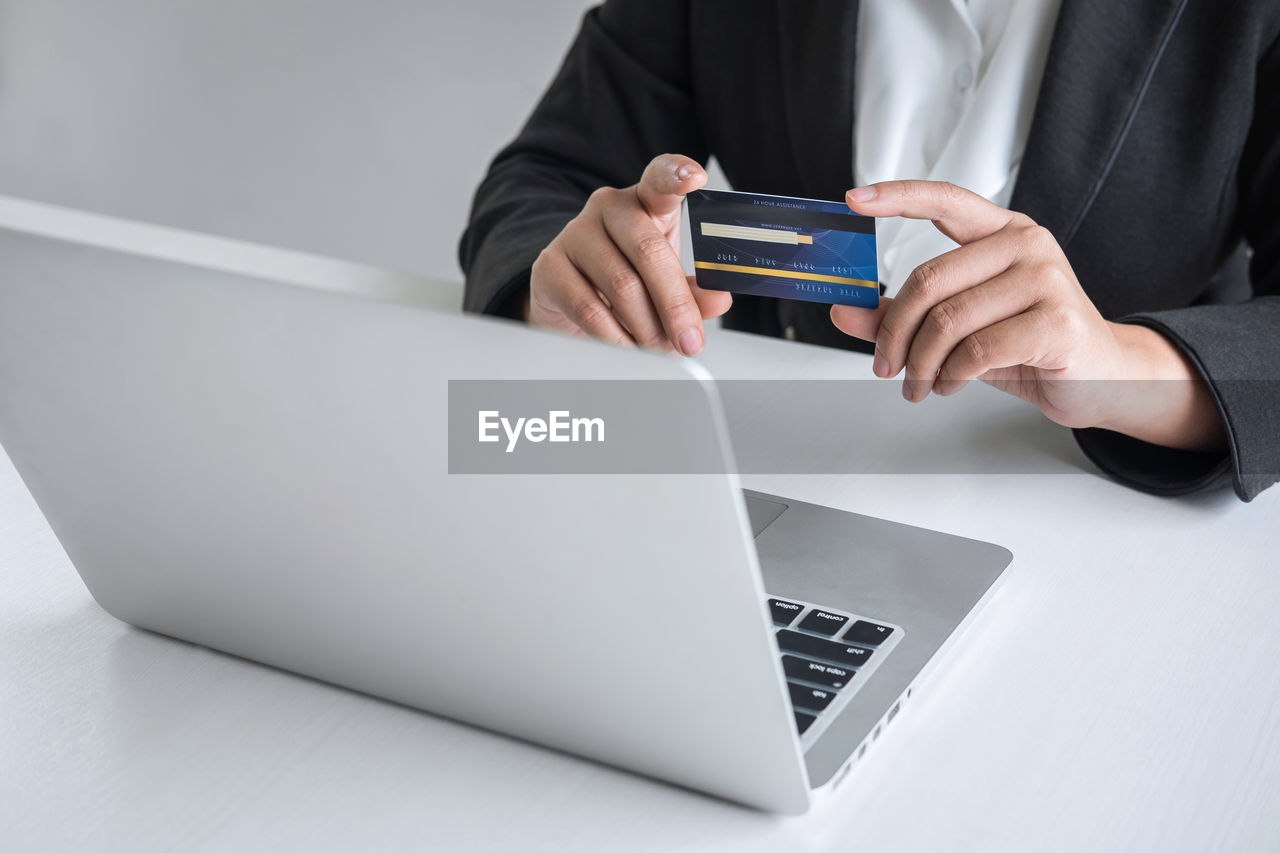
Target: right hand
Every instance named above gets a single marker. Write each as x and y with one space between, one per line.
614 272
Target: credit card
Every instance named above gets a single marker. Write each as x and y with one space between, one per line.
791 248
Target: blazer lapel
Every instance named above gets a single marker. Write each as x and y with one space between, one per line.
1101 59
816 48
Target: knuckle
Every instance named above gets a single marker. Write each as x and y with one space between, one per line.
542 275
1049 276
624 284
1020 221
677 303
975 349
945 318
539 269
656 339
589 313
575 230
1067 322
652 248
906 190
950 191
601 197
927 280
1039 238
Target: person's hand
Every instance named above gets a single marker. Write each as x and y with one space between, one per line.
614 272
1006 307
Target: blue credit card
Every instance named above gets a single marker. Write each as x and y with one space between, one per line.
792 248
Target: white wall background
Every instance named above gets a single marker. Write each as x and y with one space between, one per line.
351 128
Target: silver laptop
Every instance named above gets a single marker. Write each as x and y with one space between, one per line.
263 468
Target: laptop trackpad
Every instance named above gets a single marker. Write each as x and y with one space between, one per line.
762 513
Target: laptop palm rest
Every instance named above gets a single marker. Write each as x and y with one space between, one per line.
927 582
762 513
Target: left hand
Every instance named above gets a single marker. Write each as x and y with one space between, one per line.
1006 307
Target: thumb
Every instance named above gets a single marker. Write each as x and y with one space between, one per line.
712 303
665 181
858 322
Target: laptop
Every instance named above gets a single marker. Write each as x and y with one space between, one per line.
263 468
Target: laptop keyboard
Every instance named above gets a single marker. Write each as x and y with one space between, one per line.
826 655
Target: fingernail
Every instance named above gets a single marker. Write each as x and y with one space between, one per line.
908 391
862 193
685 172
880 365
691 342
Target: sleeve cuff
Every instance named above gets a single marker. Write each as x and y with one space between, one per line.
509 300
1152 468
1165 470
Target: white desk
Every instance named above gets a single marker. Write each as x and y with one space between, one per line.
1120 693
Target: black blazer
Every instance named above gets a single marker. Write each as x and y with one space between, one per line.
1153 157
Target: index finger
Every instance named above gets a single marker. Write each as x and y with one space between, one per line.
662 274
962 215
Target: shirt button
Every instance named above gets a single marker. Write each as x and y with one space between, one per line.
963 76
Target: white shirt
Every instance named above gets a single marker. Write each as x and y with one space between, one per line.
944 90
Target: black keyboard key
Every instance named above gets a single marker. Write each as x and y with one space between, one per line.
823 622
810 698
803 721
784 612
818 673
816 647
867 633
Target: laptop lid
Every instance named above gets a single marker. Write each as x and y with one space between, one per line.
262 468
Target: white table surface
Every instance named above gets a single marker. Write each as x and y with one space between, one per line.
1120 693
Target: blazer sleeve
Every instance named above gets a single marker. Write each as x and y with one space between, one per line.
620 98
1236 348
